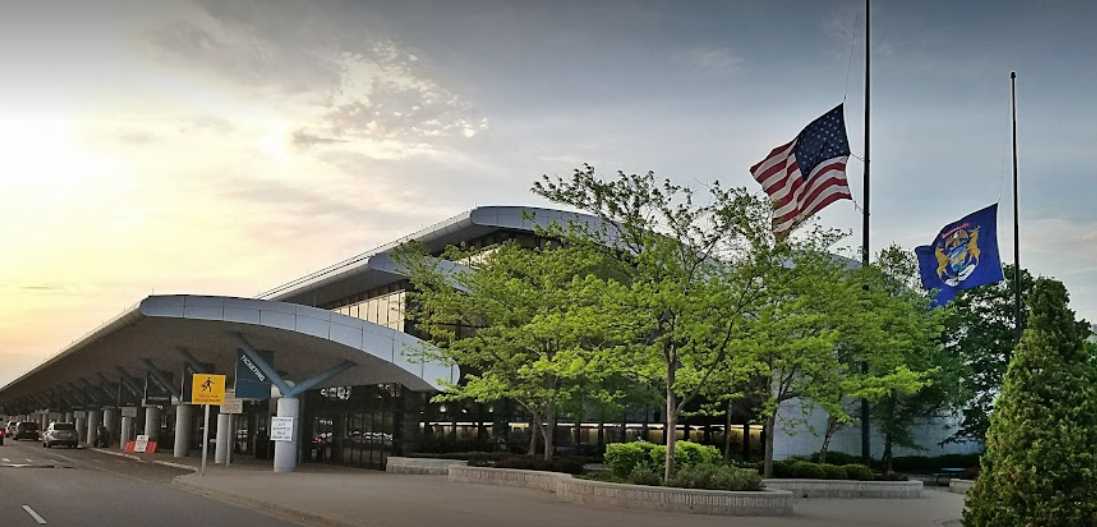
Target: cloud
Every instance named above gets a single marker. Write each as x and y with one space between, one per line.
304 139
137 137
711 59
347 81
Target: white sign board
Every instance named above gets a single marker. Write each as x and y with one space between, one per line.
281 429
129 411
232 405
141 444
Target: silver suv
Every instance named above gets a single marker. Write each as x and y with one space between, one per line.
60 434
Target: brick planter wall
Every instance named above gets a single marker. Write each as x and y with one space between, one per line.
420 465
824 488
669 499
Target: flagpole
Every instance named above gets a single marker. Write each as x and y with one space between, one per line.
866 451
1016 229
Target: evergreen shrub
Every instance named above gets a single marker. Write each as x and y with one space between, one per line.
1040 464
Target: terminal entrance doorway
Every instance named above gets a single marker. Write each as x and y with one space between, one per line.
351 425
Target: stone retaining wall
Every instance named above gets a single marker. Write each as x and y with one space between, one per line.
960 486
421 465
568 488
823 488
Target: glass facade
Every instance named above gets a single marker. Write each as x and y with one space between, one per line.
352 425
386 309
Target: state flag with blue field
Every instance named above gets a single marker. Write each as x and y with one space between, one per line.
964 255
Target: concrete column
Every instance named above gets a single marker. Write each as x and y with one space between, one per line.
152 422
93 427
81 426
285 452
183 429
221 446
110 422
127 431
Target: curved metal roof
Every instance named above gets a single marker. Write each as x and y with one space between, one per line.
305 341
375 268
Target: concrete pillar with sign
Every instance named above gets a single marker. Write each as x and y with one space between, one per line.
184 426
152 422
283 431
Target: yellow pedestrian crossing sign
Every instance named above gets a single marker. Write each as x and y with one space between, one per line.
207 388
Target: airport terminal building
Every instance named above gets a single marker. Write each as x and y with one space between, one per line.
333 356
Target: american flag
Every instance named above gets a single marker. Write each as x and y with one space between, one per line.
808 173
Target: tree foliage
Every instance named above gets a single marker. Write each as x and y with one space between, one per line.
523 323
980 332
692 273
1040 466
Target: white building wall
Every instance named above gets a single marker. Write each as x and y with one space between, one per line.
800 430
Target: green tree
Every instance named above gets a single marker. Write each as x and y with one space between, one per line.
692 272
1040 466
792 339
523 323
980 332
920 377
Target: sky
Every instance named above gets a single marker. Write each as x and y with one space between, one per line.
227 147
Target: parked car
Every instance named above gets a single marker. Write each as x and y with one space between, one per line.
60 434
26 430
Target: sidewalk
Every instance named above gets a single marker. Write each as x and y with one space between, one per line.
345 497
192 462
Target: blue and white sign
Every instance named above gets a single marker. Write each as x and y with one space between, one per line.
251 382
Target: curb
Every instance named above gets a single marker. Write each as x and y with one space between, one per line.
139 459
266 507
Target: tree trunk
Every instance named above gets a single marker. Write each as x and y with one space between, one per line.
887 454
771 422
832 427
550 434
671 422
534 432
727 434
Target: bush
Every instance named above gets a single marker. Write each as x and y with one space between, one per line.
858 472
836 458
644 474
833 471
715 477
622 458
569 465
686 453
806 470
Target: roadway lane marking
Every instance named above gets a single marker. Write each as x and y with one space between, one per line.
37 517
29 460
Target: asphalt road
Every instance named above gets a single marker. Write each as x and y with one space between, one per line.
86 488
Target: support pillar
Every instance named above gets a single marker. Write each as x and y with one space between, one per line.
68 417
285 452
183 429
93 428
110 422
152 422
221 446
81 426
127 431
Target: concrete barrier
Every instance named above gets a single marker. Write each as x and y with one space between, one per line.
960 486
668 499
840 488
421 465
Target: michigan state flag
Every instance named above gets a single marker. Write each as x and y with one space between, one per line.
962 256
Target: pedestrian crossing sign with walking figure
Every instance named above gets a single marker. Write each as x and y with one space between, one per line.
208 388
